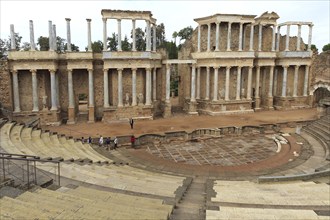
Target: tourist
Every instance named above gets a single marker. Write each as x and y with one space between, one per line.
131 122
89 140
82 140
115 141
101 141
133 141
107 142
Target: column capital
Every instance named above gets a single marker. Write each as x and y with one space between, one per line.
168 65
105 70
33 71
14 71
68 19
69 70
216 67
148 69
296 66
230 22
217 22
228 67
310 25
88 19
90 70
285 66
118 19
104 19
119 69
52 70
133 69
250 67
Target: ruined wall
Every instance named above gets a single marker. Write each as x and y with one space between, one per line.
5 86
320 68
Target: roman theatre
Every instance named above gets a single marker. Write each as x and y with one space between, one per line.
244 136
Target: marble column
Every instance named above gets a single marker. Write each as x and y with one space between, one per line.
227 83
278 38
240 39
217 34
257 81
299 37
154 84
90 88
53 89
71 107
168 78
284 82
249 83
260 38
215 83
12 38
133 35
199 39
295 81
275 81
238 83
17 105
198 84
251 37
229 37
32 43
57 90
106 88
154 38
306 80
148 46
134 103
271 76
287 41
68 34
54 38
105 34
89 34
193 83
148 86
120 87
35 91
50 38
310 37
207 86
119 34
208 37
274 37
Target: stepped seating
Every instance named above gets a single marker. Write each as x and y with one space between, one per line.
82 203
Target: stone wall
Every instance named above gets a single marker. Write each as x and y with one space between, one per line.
5 86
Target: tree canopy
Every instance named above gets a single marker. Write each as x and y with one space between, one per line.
326 47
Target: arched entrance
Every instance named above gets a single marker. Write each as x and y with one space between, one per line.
319 92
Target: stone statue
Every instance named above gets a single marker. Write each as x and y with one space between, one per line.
140 99
127 99
44 102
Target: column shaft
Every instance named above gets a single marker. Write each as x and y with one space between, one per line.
295 81
285 77
120 87
53 89
215 84
105 34
306 80
168 78
240 39
229 37
119 34
12 38
217 34
260 38
249 84
106 88
227 83
251 37
275 81
134 103
50 39
89 34
91 88
32 43
134 37
208 37
154 38
54 38
199 39
278 38
257 82
148 86
238 83
34 90
274 37
154 84
57 90
198 84
287 41
148 48
271 76
68 34
298 37
207 90
70 89
310 37
17 107
193 84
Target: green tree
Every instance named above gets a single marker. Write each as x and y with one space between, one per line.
43 43
113 42
60 44
160 35
125 45
26 46
172 50
326 47
73 47
174 36
140 40
3 48
18 40
185 33
97 46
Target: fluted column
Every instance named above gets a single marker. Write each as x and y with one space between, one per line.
287 41
238 83
310 37
271 76
154 84
215 83
198 90
199 39
257 81
106 88
154 38
229 37
120 87
275 81
89 34
217 34
260 38
148 86
227 83
284 82
34 91
134 103
148 47
274 37
134 37
91 88
119 34
306 80
12 38
299 37
17 106
240 42
68 34
32 43
251 37
105 34
168 78
70 89
50 39
207 90
193 83
278 38
53 90
295 81
54 38
249 84
208 37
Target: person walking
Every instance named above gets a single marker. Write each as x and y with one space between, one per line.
107 142
131 122
115 141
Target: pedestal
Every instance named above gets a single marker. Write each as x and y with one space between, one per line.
91 114
193 108
71 116
270 103
167 110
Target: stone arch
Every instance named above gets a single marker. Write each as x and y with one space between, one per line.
319 85
319 92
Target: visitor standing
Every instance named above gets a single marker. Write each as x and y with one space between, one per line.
131 122
89 140
82 140
101 141
133 141
115 141
107 142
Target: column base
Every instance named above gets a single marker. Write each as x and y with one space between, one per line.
192 108
270 103
167 110
71 116
257 103
91 114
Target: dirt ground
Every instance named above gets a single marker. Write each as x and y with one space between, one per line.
179 123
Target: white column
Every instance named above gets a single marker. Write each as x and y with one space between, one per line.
119 34
50 39
240 39
154 38
120 87
306 80
198 90
34 91
238 83
168 78
217 34
251 37
275 81
134 37
148 48
260 38
274 37
287 41
105 34
249 84
207 90
154 84
53 90
32 43
148 86
12 38
57 90
68 34
89 32
229 37
271 76
295 81
134 103
215 83
199 39
227 83
54 38
90 88
208 37
106 88
285 78
257 81
310 37
17 107
193 83
70 89
299 37
278 38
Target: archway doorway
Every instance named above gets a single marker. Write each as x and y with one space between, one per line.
319 94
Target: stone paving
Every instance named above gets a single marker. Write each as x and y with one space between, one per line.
224 151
